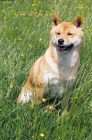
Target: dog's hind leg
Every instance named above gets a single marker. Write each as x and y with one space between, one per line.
25 95
29 93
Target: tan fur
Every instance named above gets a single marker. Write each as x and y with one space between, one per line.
56 68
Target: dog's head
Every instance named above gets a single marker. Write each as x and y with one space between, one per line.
66 35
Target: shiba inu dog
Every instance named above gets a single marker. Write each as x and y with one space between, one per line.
57 68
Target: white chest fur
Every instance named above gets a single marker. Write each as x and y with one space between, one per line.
64 73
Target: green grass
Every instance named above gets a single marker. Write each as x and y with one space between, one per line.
24 36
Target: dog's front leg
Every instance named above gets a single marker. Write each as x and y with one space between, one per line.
65 100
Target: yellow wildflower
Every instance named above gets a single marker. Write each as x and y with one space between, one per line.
5 18
22 54
3 11
15 15
42 135
22 14
40 40
11 85
50 107
41 14
55 1
43 100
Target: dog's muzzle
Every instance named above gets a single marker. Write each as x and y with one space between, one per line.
64 48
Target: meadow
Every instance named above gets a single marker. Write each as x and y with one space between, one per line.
24 36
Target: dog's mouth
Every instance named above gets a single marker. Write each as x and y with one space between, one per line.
63 48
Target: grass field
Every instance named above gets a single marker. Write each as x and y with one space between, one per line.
24 36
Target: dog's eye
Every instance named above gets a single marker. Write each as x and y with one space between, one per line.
58 33
70 34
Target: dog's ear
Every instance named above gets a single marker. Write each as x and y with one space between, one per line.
55 20
78 22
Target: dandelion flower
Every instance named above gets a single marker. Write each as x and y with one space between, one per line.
29 45
40 40
11 85
3 11
22 54
15 15
22 14
42 135
43 100
5 18
50 107
41 14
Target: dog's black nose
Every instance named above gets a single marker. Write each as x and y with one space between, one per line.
60 41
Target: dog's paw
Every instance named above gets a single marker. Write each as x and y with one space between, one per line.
25 96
